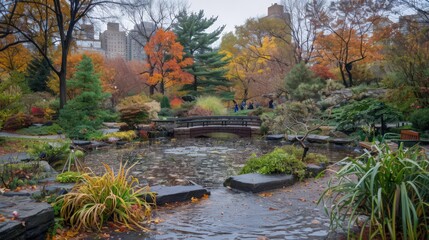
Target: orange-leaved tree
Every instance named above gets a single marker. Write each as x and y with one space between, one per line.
347 37
165 55
106 74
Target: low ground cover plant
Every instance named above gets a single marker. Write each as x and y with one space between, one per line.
18 175
390 190
125 136
69 177
110 197
281 160
42 130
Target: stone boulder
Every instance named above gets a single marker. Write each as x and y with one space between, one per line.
33 221
255 182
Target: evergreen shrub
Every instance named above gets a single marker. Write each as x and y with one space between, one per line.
420 119
82 115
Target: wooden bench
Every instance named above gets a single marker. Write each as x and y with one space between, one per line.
410 135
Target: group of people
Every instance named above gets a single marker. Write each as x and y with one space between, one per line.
251 105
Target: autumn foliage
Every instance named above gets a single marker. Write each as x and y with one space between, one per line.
106 74
165 61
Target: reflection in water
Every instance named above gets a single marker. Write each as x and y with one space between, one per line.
288 214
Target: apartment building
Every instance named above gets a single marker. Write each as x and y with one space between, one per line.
137 39
114 42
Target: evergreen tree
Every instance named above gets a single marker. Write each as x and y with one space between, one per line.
83 114
209 65
38 72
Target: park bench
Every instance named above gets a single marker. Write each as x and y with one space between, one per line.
410 135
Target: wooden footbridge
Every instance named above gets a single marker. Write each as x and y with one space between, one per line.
190 127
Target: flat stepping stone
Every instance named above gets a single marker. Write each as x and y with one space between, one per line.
313 170
275 137
255 182
15 157
292 138
36 216
172 194
81 142
340 141
11 230
317 138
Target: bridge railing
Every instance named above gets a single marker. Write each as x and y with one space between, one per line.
212 120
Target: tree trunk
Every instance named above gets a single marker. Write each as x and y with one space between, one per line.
162 87
151 90
343 76
349 73
195 84
63 89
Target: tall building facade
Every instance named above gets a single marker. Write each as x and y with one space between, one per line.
114 42
85 40
137 39
276 11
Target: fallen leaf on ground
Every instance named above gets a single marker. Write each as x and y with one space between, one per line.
71 234
157 220
303 200
316 222
104 235
205 196
272 209
265 194
194 199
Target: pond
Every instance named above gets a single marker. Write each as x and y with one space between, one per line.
289 213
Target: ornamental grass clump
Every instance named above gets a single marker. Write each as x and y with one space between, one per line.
111 197
212 104
389 191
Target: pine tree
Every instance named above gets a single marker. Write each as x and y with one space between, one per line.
84 114
38 72
209 65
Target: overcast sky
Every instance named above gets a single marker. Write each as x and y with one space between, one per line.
232 12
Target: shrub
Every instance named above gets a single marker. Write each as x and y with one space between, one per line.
390 188
165 112
14 175
176 103
295 117
97 199
212 104
153 109
9 99
365 112
52 153
277 161
17 121
126 136
420 119
69 177
309 158
133 110
84 113
165 103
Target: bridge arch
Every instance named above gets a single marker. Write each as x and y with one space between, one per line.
243 126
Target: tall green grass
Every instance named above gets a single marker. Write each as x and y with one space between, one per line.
212 104
390 189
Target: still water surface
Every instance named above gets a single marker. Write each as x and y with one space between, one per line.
289 213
